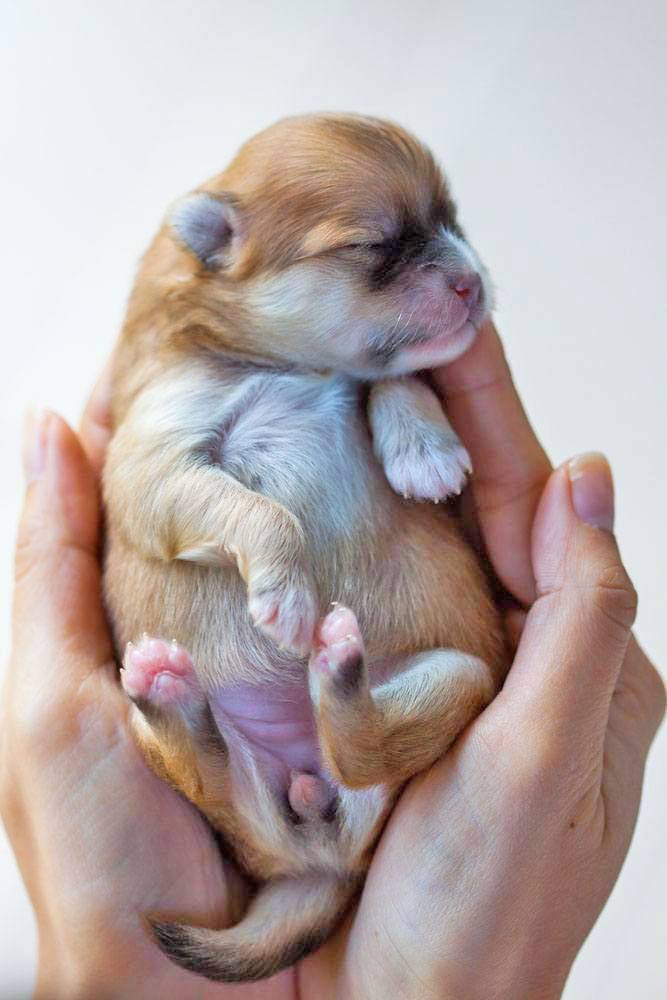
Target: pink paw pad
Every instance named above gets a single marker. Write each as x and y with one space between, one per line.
339 650
161 673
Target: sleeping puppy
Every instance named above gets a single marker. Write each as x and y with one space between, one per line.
331 636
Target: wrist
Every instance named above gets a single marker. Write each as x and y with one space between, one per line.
478 962
501 963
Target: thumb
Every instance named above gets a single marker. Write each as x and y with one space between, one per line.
576 633
57 596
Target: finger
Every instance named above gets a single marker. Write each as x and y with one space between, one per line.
57 596
576 634
510 466
95 428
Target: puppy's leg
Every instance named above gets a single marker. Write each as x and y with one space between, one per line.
419 451
172 723
389 733
192 510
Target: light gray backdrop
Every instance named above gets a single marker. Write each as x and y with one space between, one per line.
550 121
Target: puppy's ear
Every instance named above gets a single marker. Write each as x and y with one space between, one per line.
206 225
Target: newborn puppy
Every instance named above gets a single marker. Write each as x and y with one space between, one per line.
331 636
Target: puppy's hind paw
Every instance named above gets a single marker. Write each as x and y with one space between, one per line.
337 662
161 674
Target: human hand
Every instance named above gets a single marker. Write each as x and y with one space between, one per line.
481 913
98 838
497 861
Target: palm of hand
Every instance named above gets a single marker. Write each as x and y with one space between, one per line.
161 853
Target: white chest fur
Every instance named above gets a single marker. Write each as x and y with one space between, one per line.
299 438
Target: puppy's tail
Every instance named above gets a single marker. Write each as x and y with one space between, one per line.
287 919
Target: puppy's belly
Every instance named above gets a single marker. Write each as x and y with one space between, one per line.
276 723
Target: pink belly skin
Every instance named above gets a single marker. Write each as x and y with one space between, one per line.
277 721
271 723
278 724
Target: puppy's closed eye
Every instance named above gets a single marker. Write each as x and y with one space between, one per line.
366 247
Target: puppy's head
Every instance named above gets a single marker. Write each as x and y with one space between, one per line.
333 241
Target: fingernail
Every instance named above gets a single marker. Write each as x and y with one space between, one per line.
592 489
33 444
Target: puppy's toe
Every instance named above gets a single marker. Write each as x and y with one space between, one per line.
338 626
160 674
337 663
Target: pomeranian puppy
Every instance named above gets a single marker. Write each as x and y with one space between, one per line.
331 636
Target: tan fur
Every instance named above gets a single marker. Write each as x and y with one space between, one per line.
400 728
189 545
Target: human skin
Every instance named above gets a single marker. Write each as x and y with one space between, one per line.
495 863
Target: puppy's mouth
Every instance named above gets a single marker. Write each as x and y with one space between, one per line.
443 347
400 351
438 311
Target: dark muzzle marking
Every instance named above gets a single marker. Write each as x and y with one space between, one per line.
409 246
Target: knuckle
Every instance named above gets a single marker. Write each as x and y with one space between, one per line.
615 596
507 489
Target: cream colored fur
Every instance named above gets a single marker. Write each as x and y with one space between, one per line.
253 479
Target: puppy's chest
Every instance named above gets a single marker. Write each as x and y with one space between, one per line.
300 439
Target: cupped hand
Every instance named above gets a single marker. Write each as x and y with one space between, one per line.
98 838
497 861
494 864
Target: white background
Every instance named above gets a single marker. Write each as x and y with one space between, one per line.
550 119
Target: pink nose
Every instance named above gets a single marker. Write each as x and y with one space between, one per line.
469 288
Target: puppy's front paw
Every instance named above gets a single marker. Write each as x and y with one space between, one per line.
286 610
430 468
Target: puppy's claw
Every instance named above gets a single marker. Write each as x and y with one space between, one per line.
433 473
160 673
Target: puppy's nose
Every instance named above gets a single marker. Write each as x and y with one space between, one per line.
468 287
